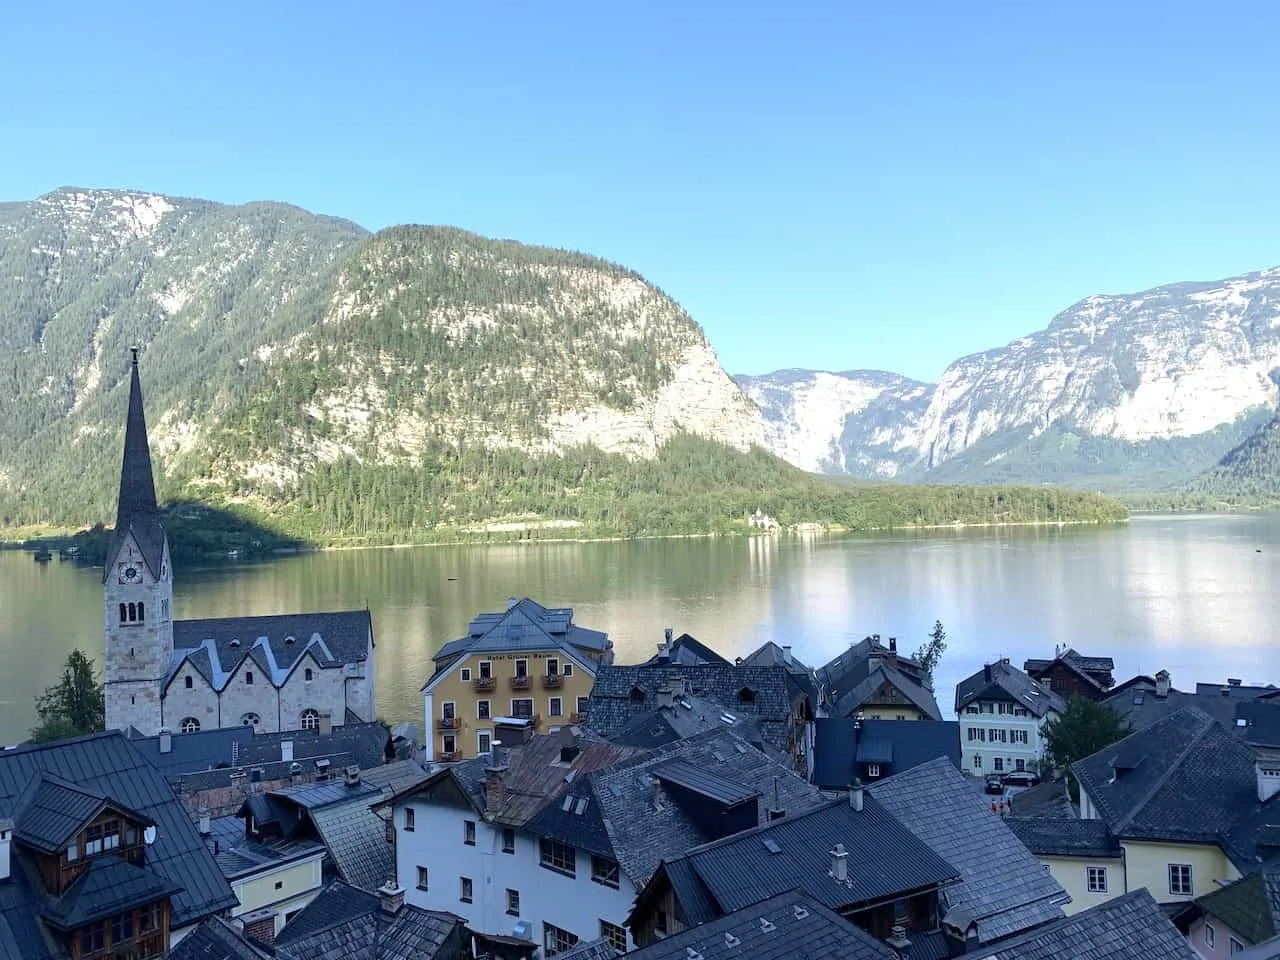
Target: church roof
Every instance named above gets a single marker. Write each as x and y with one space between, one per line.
136 508
216 648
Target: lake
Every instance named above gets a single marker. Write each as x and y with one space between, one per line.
1191 594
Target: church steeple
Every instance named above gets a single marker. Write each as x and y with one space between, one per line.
136 508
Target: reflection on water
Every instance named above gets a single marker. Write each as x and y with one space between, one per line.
1192 595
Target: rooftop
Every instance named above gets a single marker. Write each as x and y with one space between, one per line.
1047 799
688 650
1003 681
850 679
1250 906
841 743
1065 837
215 939
687 716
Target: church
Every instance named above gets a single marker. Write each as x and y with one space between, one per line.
297 671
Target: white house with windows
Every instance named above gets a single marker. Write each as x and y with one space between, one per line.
1001 711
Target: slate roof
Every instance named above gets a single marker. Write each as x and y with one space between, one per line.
886 860
769 654
840 743
1250 906
1007 682
1065 837
344 923
106 764
215 939
1085 667
1130 927
845 669
1047 799
1137 702
356 839
1257 723
277 643
772 695
794 925
1003 888
853 677
686 718
136 508
590 950
687 650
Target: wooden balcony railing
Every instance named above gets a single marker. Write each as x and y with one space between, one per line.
450 723
552 681
485 684
520 683
449 756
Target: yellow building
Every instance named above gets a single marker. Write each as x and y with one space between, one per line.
272 879
529 662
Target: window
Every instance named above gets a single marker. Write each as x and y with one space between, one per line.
164 609
1004 709
513 902
555 707
124 613
466 674
484 742
1020 765
467 889
93 938
1210 935
486 670
522 709
1180 879
522 668
555 940
248 678
615 935
972 708
1096 879
450 743
508 840
553 666
469 832
482 709
660 923
977 761
408 825
149 918
448 710
189 725
873 770
582 704
568 670
122 928
1018 736
604 871
310 719
250 720
558 856
999 763
1234 945
422 871
307 675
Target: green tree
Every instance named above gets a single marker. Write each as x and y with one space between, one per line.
74 705
930 653
1084 728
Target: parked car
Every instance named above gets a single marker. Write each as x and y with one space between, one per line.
1020 778
995 786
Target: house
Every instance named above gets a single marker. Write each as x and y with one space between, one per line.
283 672
871 680
685 650
216 939
1130 927
845 749
1071 674
1242 914
346 923
1001 711
783 927
1191 806
770 654
1081 855
1144 700
529 662
97 858
1002 889
771 696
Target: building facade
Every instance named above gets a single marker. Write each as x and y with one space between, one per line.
273 673
1001 711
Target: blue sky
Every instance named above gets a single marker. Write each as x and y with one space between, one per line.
887 185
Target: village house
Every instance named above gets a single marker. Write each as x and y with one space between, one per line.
1001 711
1082 855
872 680
1246 913
1143 700
528 662
97 858
284 672
846 750
1071 674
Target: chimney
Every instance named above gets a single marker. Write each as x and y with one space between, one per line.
202 822
776 812
511 603
351 776
495 785
1162 684
1225 691
667 634
286 750
1268 775
166 740
1233 681
390 897
855 795
898 939
326 723
839 864
260 927
786 655
986 673
893 644
666 696
295 773
6 842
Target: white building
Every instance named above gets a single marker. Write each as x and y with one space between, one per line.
1001 711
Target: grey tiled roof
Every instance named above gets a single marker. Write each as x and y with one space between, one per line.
688 650
53 811
590 950
848 702
769 654
1065 837
136 509
1130 927
1048 799
687 718
1250 906
107 765
840 743
344 923
849 668
1007 682
215 939
1140 706
788 926
1003 888
356 839
217 647
1257 723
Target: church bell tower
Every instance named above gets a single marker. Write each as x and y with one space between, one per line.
137 587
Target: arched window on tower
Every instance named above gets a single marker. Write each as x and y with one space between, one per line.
124 613
133 613
310 719
189 684
190 725
142 612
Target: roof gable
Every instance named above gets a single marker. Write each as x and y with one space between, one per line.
1003 681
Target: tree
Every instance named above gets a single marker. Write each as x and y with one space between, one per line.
74 705
931 652
1084 728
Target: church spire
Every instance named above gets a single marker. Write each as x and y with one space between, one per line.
136 508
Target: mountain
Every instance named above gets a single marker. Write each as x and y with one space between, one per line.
1117 392
1249 473
347 384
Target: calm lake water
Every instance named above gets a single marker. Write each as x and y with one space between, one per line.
1189 594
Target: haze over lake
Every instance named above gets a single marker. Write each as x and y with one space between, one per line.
1190 594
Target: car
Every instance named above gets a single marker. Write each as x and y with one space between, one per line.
1020 778
995 786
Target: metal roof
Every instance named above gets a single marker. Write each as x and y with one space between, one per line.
108 887
54 811
702 781
136 510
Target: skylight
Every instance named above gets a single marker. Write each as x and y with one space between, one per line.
771 845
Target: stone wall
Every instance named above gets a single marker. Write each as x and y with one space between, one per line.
137 654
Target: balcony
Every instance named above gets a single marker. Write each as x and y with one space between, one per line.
552 681
448 756
450 723
521 683
485 684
